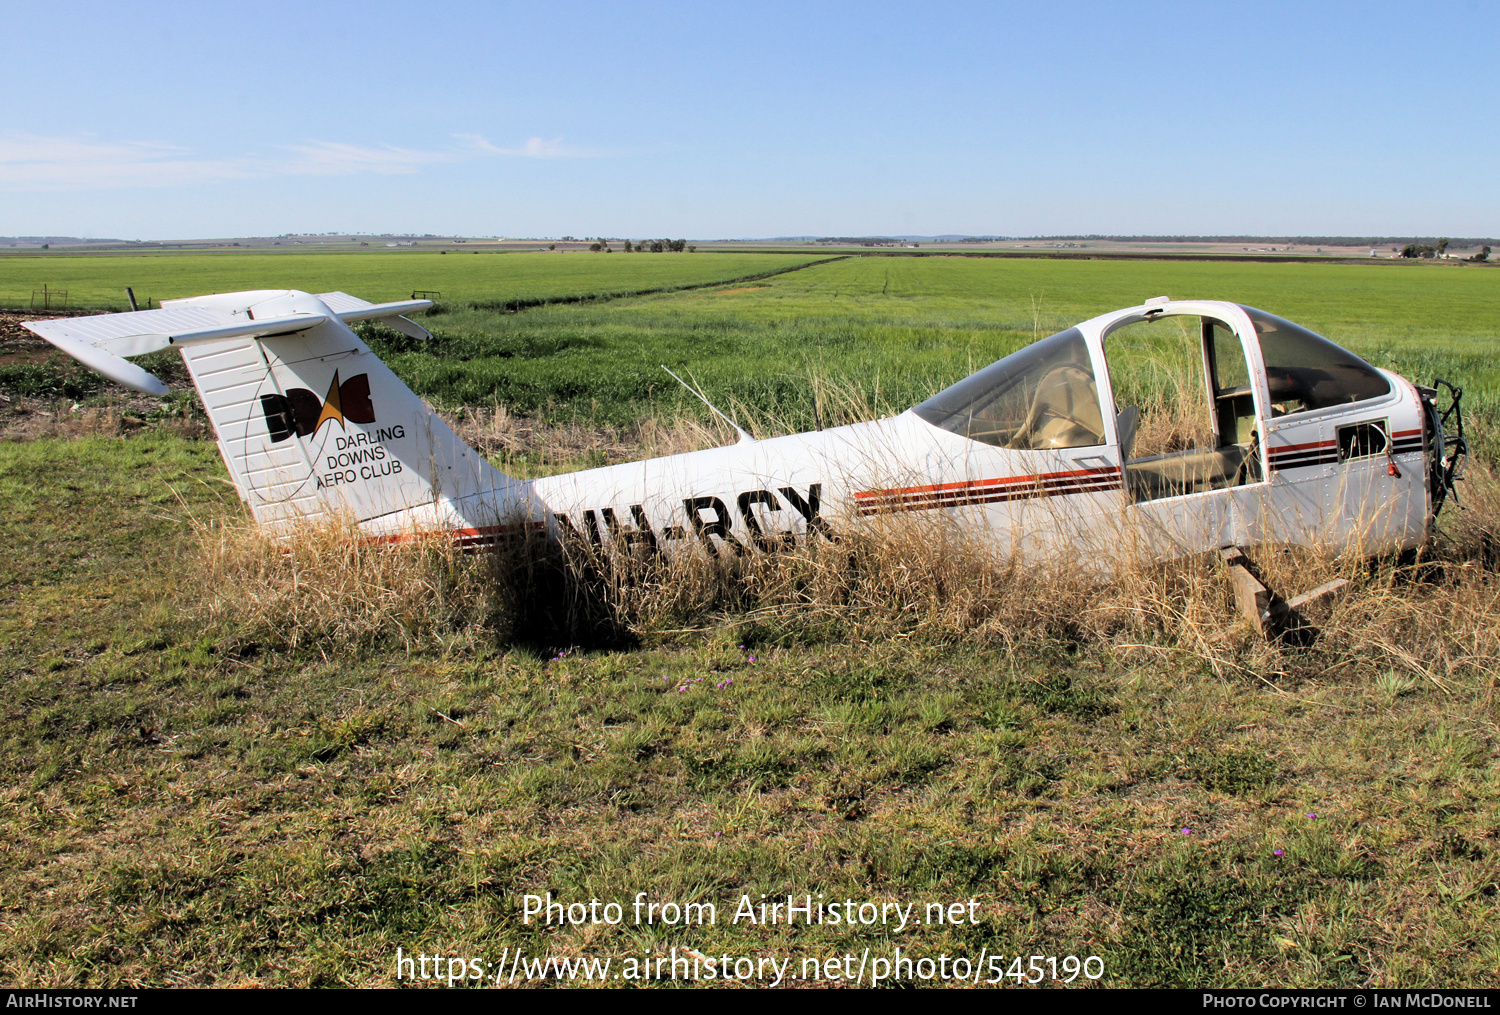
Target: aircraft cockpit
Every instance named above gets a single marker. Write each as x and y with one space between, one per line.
1039 398
1190 391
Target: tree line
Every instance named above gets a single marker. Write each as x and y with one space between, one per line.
645 246
1438 249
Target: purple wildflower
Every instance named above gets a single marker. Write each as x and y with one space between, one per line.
1278 852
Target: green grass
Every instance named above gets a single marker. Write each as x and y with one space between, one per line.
188 800
869 334
99 280
888 331
186 805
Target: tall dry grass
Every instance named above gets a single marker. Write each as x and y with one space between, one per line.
329 586
522 444
1175 412
1430 616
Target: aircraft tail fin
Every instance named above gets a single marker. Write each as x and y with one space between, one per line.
309 421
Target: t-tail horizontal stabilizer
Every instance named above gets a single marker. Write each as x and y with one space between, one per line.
100 342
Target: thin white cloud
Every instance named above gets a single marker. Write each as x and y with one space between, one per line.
30 162
330 158
36 163
534 148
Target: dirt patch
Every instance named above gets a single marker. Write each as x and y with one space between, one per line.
25 419
16 340
742 289
53 410
47 355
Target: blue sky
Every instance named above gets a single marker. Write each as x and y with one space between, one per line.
161 120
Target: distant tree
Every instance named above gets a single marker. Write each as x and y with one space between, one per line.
1483 255
656 247
551 246
1419 250
692 250
628 247
596 246
678 245
1442 246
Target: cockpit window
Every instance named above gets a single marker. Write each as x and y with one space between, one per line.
1306 371
1040 397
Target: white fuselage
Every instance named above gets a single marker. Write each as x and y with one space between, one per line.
312 425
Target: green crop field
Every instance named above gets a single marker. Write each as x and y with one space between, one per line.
225 764
882 331
892 330
99 280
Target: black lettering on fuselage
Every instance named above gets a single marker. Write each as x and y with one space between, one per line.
591 523
336 478
718 527
808 509
567 532
576 546
387 468
769 543
642 533
362 456
711 521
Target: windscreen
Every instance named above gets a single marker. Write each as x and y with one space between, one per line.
1040 397
1306 371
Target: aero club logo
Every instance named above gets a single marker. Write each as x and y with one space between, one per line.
301 412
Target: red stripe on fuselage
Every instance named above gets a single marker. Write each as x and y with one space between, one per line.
1283 449
986 491
462 537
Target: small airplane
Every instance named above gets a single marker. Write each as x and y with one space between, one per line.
1298 442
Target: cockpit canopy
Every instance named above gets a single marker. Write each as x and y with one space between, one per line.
1040 397
1045 396
1306 371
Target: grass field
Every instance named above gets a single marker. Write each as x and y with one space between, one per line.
99 280
207 781
885 332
